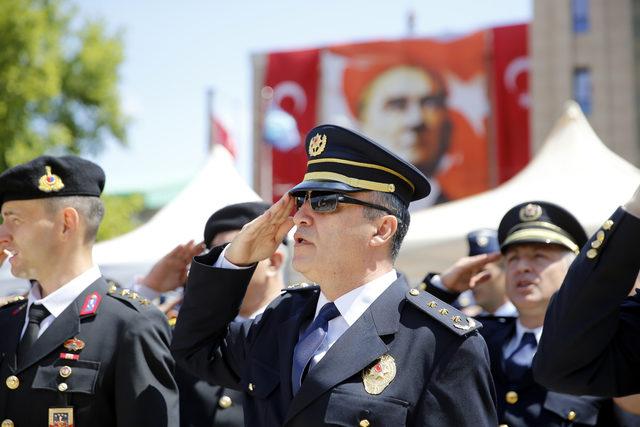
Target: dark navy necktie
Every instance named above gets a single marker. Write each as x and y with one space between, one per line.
310 342
517 364
37 313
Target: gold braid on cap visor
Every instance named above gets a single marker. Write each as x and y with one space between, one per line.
355 182
538 233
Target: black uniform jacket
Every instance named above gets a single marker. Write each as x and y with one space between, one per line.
122 377
528 403
591 338
206 405
442 376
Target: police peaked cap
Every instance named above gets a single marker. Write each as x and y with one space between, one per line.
541 222
341 160
483 241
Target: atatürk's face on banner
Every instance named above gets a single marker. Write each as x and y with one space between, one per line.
404 109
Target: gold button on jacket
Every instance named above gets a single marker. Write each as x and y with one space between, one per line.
12 382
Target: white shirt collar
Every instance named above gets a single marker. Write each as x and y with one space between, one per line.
355 302
57 301
520 331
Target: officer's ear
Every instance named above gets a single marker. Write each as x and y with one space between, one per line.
70 222
275 262
386 227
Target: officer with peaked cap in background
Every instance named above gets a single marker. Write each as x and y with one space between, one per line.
75 352
361 347
538 241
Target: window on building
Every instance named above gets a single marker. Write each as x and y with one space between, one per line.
580 14
583 89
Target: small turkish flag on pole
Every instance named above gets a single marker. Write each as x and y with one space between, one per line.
218 133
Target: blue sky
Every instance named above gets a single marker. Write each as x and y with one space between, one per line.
175 51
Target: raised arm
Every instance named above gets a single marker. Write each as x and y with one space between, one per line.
591 338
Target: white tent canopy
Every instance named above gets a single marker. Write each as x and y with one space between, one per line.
218 184
573 169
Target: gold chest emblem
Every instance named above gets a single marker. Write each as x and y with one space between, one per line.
50 182
317 145
379 376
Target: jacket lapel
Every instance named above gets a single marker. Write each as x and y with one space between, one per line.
287 339
13 327
357 348
495 345
65 326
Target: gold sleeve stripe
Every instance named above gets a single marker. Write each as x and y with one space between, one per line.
538 233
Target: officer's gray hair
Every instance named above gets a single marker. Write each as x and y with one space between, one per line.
393 203
90 210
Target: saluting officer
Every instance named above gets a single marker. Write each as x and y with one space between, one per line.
362 347
591 339
76 351
203 404
538 240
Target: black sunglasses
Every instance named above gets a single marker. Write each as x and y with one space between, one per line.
328 202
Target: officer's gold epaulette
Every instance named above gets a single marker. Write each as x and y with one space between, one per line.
450 317
133 299
11 300
298 287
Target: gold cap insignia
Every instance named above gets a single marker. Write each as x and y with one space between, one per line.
531 212
380 375
482 241
317 145
50 182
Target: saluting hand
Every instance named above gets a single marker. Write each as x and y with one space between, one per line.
170 272
260 238
467 272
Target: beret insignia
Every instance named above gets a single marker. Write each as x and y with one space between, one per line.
50 182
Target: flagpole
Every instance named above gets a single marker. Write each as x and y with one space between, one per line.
211 137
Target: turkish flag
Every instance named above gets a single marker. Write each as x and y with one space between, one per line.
220 135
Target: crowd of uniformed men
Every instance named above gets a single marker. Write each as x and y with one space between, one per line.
551 338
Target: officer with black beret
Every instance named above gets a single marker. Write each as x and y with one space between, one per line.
538 241
358 347
76 351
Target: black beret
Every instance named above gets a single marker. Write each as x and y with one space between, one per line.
342 160
541 222
49 176
232 217
483 241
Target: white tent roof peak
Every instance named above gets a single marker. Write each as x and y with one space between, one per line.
573 169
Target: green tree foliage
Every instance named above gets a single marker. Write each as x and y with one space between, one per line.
120 211
58 82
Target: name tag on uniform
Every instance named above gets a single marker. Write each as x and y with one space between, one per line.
61 417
